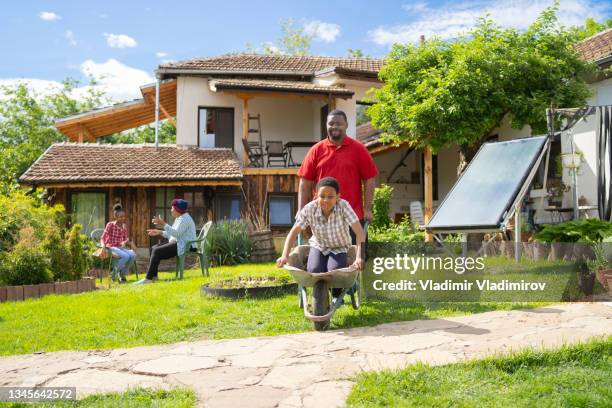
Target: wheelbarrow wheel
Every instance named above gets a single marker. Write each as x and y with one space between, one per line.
320 304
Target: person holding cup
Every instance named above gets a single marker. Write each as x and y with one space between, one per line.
182 230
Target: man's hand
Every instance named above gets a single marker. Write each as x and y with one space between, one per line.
368 216
280 262
154 232
157 220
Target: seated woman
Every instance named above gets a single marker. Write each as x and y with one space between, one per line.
329 218
115 237
182 230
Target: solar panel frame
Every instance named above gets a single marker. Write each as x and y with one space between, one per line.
526 177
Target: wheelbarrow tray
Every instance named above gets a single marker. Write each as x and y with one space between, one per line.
340 278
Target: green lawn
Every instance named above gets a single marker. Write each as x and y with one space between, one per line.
141 398
574 376
170 311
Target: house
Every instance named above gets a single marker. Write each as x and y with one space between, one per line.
219 106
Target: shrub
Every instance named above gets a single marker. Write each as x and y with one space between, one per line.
26 264
19 211
56 251
80 249
401 232
381 205
228 243
587 230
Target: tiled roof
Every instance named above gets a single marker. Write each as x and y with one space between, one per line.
278 85
368 134
89 162
596 47
253 63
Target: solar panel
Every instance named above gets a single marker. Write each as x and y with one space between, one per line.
489 185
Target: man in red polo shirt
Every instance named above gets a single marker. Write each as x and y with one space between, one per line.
345 159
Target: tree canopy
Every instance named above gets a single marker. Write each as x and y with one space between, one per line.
443 93
27 126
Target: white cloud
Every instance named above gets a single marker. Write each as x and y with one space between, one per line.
414 8
48 16
119 81
120 41
452 19
326 32
161 54
69 35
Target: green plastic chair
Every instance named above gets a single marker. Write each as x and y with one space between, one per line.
95 236
200 252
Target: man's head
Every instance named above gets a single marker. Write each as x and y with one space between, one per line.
336 125
179 207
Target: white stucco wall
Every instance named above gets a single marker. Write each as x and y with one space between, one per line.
284 119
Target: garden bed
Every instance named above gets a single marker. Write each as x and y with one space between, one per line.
22 292
249 287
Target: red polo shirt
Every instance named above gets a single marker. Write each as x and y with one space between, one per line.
349 163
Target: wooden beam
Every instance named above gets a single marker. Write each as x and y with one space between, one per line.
256 171
271 94
245 126
167 115
428 188
84 133
191 183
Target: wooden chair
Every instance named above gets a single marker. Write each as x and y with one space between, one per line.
254 152
416 213
113 260
200 252
276 153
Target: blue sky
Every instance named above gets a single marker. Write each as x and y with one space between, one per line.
122 42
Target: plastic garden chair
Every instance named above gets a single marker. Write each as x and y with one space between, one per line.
112 261
199 252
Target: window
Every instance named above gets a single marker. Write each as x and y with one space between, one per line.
197 208
227 206
215 127
89 210
281 210
163 201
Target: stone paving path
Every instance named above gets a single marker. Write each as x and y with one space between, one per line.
309 369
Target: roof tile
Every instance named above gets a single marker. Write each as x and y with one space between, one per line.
90 162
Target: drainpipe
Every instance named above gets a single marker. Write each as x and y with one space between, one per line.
156 112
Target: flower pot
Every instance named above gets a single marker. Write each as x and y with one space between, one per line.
586 282
603 276
571 160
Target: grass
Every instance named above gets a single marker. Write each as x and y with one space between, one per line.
573 376
170 311
177 398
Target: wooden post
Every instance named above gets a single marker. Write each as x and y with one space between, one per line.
428 188
245 127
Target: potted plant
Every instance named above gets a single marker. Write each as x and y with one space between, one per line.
603 272
555 190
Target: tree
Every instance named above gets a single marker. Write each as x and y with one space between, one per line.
143 134
456 92
590 28
26 125
293 40
356 53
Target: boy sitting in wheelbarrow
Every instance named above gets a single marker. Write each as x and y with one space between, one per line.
329 218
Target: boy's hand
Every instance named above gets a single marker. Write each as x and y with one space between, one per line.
358 263
280 262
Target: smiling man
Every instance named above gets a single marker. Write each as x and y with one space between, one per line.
345 159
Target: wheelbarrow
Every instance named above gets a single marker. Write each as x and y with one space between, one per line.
348 279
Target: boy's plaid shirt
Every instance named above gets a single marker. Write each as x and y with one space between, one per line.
332 234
